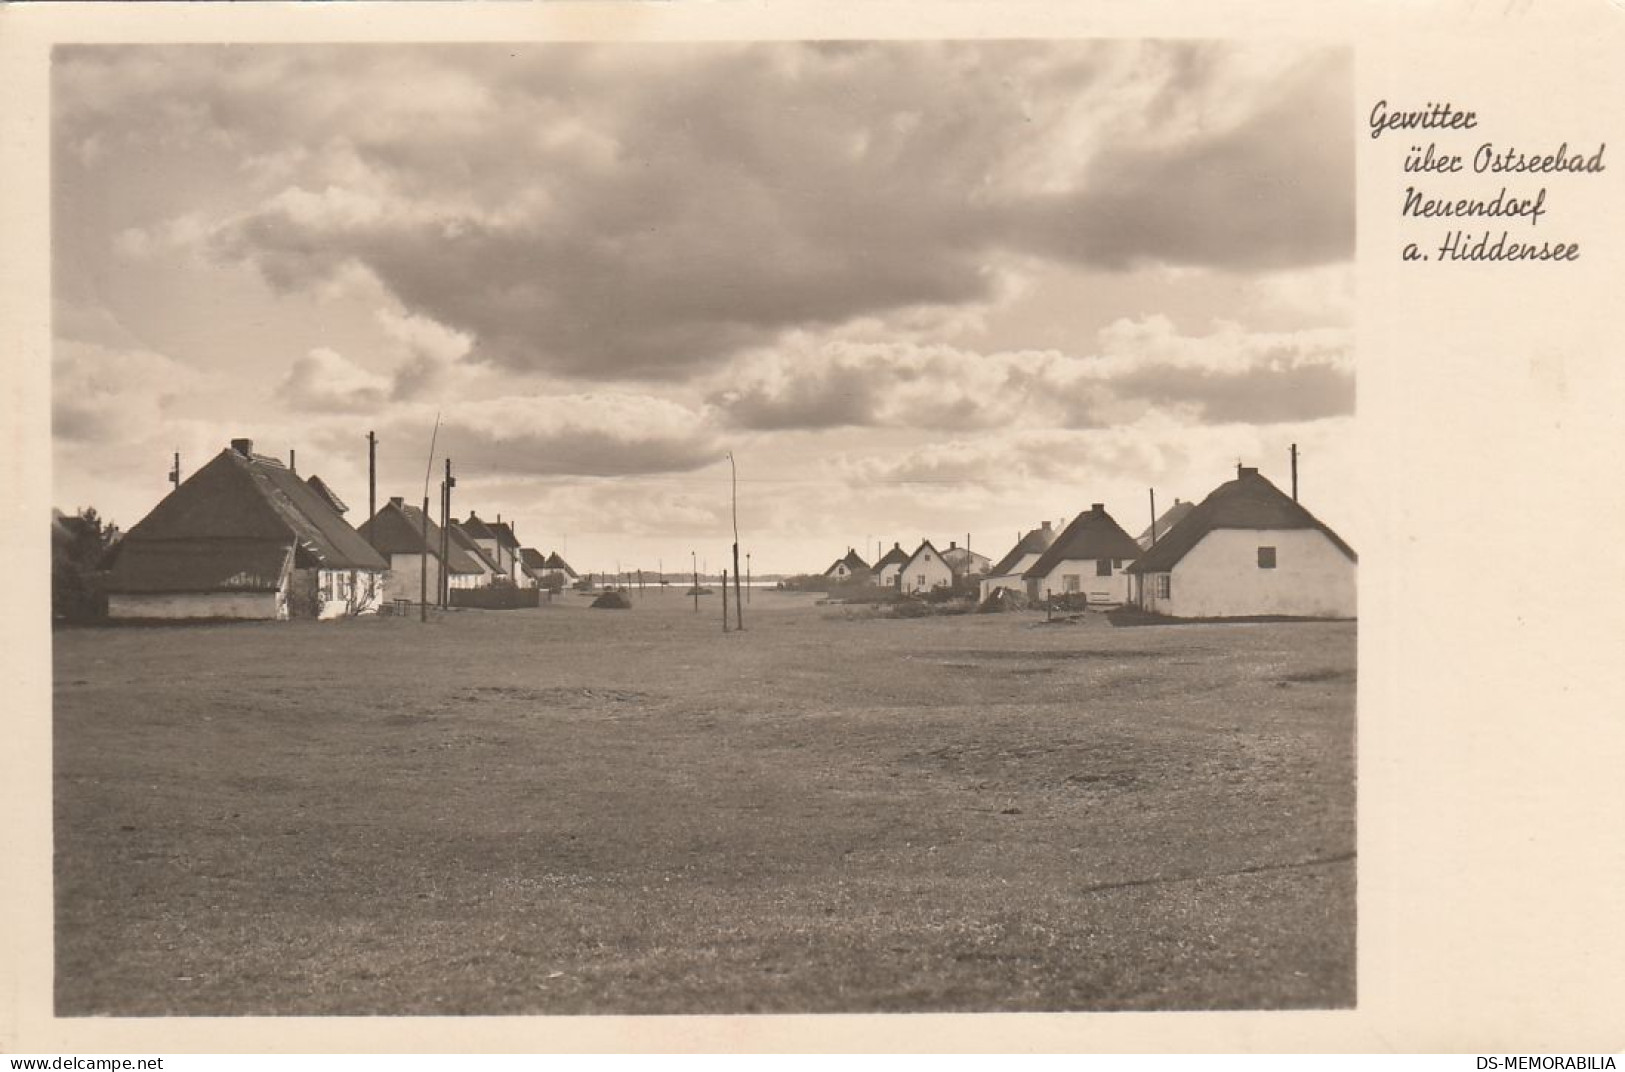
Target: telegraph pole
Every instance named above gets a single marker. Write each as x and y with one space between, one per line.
372 475
739 606
423 578
1294 472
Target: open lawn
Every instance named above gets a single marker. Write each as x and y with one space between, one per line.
565 810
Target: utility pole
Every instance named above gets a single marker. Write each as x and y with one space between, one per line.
1294 472
747 577
175 473
739 606
372 475
445 535
1153 492
423 579
695 562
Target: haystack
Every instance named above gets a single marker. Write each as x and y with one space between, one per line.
1000 600
612 601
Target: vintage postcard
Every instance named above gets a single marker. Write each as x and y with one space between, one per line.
691 527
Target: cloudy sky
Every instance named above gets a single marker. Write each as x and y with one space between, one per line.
917 289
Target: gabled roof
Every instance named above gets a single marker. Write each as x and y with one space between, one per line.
852 561
895 557
226 518
212 565
924 546
461 537
398 529
478 529
1248 502
963 557
1165 524
532 558
1092 535
321 488
1035 542
504 534
554 562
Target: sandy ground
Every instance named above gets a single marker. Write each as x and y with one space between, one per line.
567 810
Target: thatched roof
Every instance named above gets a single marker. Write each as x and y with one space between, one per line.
852 561
895 557
504 534
1248 502
1165 524
554 562
1035 542
398 529
1091 536
461 537
225 522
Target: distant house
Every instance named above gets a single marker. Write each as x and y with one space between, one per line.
244 537
557 567
925 570
1006 573
534 565
890 566
1164 524
965 562
497 548
847 567
509 543
489 571
1087 558
1248 550
396 531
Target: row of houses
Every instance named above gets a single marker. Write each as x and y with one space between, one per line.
246 537
1247 550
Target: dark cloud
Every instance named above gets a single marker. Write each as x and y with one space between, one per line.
644 211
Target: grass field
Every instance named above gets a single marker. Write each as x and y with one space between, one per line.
566 810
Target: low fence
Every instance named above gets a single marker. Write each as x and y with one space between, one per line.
496 598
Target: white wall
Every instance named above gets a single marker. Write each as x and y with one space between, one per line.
1220 577
1113 589
924 573
348 592
405 578
253 605
1011 580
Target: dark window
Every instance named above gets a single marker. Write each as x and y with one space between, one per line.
1164 585
1266 558
1103 567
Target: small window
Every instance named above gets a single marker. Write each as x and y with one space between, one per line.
1266 558
1103 567
1165 585
1071 582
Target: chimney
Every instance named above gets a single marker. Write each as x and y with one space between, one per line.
396 501
1046 526
1099 508
952 545
1246 470
292 468
245 447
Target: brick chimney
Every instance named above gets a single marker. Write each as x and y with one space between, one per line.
1099 508
245 447
396 501
1046 526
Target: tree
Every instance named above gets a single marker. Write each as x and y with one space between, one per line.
79 546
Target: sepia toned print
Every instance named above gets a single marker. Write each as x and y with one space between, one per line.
700 528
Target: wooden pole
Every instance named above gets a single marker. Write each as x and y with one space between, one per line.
747 577
423 588
1153 492
696 566
724 601
1294 472
372 475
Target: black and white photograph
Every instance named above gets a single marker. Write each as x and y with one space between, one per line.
703 527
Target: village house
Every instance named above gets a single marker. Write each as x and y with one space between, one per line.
1248 550
925 570
489 571
964 562
244 537
534 565
558 569
1164 524
1006 573
509 543
846 568
1086 559
396 531
496 548
890 566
